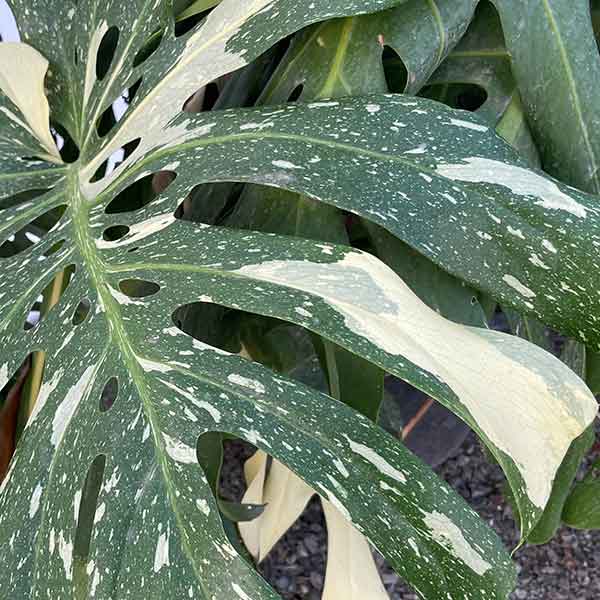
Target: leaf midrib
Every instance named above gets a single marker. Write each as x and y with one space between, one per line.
84 242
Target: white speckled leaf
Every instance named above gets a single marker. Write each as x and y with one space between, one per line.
155 525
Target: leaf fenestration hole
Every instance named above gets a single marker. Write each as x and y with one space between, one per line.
466 96
10 400
49 298
109 394
148 48
115 232
138 288
69 151
81 312
595 14
296 93
394 70
141 192
209 202
85 522
21 197
106 52
114 161
116 111
184 26
32 233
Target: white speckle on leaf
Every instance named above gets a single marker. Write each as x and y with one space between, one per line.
178 451
207 406
376 460
516 232
65 550
323 104
76 503
251 384
161 553
4 377
285 164
518 286
240 592
152 365
339 465
448 535
468 125
100 510
256 126
203 507
66 409
520 181
254 437
373 108
34 503
414 546
421 149
549 246
45 390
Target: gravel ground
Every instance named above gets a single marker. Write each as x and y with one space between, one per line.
567 568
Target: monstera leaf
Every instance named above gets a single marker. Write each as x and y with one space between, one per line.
105 497
555 41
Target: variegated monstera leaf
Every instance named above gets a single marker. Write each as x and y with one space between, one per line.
146 523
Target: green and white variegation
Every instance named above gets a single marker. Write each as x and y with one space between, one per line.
436 178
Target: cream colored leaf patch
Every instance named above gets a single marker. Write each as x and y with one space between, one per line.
285 496
204 58
22 73
500 380
255 470
351 572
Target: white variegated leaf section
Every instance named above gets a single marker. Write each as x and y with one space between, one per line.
499 379
22 73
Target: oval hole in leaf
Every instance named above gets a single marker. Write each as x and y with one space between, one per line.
88 510
109 394
184 26
296 93
394 70
106 52
115 232
209 202
69 151
466 96
10 396
81 312
148 48
203 99
140 193
114 161
117 110
138 288
49 298
21 197
32 233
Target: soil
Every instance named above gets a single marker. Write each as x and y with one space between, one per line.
567 568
